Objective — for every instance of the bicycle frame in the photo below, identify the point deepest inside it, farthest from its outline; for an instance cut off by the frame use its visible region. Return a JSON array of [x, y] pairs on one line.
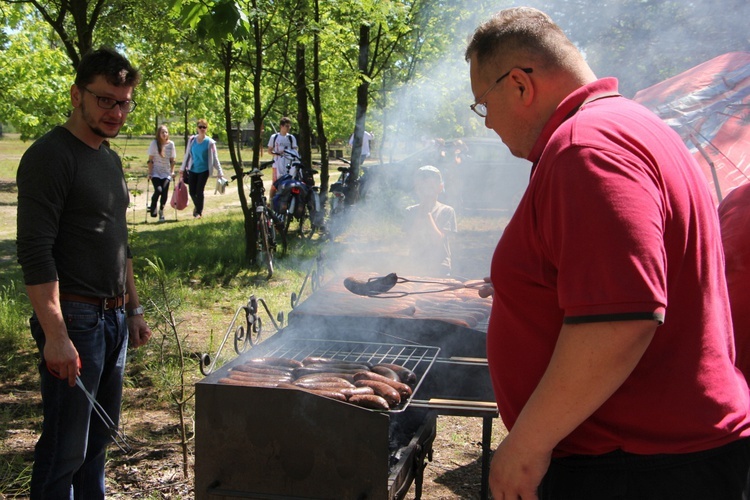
[[266, 233], [298, 197]]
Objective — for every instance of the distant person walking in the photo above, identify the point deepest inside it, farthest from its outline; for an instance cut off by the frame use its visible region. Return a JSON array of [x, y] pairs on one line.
[[161, 157], [277, 144], [364, 153], [200, 160]]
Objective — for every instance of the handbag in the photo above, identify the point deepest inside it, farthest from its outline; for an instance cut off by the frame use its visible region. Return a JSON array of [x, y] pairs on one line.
[[180, 198]]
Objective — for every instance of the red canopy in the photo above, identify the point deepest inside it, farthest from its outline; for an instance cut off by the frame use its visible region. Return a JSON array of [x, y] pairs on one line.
[[709, 106]]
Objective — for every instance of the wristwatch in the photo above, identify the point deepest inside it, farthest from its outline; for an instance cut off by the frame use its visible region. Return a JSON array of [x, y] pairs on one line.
[[138, 311]]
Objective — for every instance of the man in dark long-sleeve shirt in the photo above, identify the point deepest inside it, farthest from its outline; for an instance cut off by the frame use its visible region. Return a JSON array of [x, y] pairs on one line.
[[73, 250]]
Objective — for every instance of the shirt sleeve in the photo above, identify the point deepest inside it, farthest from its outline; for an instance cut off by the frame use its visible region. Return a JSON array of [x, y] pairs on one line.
[[603, 229], [43, 182]]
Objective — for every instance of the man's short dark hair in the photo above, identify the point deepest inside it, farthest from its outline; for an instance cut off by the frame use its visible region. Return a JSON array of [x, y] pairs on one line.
[[285, 121], [109, 63]]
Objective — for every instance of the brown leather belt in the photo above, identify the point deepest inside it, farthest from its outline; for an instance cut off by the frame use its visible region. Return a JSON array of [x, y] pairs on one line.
[[110, 303]]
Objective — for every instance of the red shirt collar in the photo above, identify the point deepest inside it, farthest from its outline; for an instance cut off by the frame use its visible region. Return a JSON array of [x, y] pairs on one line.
[[567, 108]]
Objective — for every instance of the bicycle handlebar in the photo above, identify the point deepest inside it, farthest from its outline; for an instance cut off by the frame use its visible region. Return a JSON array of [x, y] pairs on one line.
[[262, 166]]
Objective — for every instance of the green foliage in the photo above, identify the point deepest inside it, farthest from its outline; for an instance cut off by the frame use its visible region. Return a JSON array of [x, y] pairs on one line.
[[14, 333], [35, 78]]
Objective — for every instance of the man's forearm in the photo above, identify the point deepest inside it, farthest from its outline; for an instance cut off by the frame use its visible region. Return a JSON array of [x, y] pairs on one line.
[[133, 300], [45, 299], [589, 363]]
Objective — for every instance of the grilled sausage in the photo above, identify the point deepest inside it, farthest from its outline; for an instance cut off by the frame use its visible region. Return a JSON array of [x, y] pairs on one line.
[[317, 384], [262, 370], [318, 392], [259, 378], [407, 376], [340, 365], [386, 372], [357, 391], [330, 378], [281, 362], [316, 360], [349, 377], [382, 389], [301, 372], [370, 401], [371, 286], [248, 383], [403, 390]]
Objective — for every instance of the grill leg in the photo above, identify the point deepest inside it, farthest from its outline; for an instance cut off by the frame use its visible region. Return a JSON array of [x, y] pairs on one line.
[[419, 477], [486, 455]]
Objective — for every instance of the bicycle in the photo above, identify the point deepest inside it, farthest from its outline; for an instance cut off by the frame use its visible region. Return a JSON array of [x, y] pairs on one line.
[[297, 198], [343, 195], [266, 218]]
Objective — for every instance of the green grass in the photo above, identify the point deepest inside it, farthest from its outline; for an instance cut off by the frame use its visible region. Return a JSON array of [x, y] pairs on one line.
[[204, 260], [207, 281]]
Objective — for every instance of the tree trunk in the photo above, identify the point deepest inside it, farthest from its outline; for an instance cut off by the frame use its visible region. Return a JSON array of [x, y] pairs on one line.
[[362, 89], [303, 116], [251, 236], [318, 109]]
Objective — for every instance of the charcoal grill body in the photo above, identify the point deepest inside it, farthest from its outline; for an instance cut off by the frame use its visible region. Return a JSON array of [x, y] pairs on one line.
[[280, 443], [277, 443]]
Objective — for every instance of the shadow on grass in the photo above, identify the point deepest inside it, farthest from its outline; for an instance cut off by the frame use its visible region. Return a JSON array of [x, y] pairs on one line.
[[8, 187], [465, 481]]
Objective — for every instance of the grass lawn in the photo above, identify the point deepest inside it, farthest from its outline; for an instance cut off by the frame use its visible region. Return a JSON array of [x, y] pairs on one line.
[[205, 256], [207, 281]]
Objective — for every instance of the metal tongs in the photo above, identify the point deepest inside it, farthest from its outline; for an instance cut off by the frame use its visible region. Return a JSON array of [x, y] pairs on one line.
[[117, 436], [381, 286]]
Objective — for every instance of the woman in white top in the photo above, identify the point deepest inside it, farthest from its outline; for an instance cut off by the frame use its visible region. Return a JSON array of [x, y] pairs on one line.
[[161, 157]]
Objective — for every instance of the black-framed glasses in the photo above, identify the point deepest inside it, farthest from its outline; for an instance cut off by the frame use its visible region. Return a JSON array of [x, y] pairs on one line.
[[480, 106], [126, 106]]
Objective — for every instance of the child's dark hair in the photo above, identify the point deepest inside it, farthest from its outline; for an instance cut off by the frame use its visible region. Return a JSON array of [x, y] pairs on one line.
[[109, 63]]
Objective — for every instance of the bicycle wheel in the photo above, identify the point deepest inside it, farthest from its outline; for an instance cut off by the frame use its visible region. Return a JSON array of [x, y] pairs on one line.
[[265, 246], [315, 214], [305, 225], [335, 222], [287, 221]]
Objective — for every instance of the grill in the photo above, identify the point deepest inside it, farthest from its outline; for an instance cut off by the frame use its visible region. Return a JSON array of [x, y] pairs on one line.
[[255, 442]]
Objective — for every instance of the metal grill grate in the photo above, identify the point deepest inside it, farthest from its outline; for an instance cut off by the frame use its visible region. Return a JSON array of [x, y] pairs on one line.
[[417, 358]]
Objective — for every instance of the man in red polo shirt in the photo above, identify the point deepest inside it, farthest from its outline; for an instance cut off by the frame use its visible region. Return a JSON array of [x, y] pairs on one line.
[[734, 214], [610, 342]]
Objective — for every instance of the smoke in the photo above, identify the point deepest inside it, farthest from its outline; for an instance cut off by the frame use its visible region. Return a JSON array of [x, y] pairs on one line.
[[640, 42]]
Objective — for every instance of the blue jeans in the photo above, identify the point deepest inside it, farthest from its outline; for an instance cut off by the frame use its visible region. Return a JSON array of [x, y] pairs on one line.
[[70, 454]]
